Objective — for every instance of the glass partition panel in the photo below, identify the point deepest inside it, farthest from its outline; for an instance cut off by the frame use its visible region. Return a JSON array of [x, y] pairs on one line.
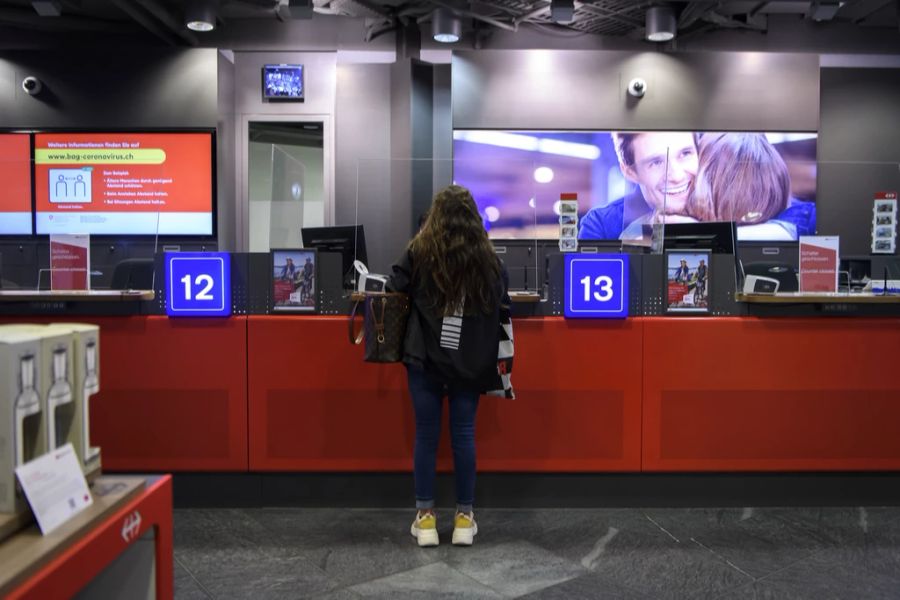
[[395, 195], [285, 167]]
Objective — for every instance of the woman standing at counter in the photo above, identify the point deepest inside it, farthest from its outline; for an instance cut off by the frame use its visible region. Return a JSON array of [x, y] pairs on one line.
[[456, 285]]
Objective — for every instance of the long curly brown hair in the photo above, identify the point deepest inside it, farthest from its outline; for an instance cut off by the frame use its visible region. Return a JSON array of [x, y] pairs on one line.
[[452, 252]]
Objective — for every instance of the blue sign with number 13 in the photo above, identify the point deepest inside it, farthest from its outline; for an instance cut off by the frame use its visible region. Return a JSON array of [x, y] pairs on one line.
[[596, 286], [198, 284]]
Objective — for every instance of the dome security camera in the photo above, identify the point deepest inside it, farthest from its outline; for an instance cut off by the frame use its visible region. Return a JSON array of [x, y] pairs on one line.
[[32, 85], [637, 87]]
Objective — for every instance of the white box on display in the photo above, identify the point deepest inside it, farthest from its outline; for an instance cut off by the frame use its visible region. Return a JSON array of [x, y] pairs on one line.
[[22, 428], [55, 384], [85, 383]]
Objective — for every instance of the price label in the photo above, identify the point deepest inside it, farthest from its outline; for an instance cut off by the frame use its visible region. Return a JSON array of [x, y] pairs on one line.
[[198, 284], [596, 286]]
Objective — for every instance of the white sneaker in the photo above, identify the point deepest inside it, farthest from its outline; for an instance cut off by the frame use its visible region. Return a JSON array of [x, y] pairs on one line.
[[464, 529], [424, 529]]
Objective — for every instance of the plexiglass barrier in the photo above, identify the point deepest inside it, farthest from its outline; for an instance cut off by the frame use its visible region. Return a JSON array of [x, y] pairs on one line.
[[102, 226], [394, 197], [287, 199]]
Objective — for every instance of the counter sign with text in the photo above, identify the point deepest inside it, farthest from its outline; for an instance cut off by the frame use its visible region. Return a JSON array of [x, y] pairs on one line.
[[596, 286], [198, 284]]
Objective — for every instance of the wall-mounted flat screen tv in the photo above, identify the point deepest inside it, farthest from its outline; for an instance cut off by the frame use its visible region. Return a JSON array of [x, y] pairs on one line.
[[15, 173], [283, 82], [627, 181], [124, 183]]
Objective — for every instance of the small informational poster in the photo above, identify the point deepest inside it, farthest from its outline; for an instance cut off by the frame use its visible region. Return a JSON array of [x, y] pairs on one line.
[[568, 222], [55, 487], [294, 280], [70, 262], [884, 223], [819, 256], [687, 281]]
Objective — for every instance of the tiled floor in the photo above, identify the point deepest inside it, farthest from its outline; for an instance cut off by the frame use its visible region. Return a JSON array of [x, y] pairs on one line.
[[349, 554]]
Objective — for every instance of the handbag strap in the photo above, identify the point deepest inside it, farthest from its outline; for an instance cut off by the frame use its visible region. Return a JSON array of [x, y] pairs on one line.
[[379, 320], [355, 338]]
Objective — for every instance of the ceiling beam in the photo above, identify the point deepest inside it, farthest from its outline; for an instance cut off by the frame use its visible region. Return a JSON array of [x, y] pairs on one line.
[[860, 18], [31, 20], [146, 21], [175, 24], [611, 14]]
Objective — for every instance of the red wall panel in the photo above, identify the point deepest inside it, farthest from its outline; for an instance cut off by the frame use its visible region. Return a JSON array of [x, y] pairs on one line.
[[315, 405], [173, 393], [750, 394]]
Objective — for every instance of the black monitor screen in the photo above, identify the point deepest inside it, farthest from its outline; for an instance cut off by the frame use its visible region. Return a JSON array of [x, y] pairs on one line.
[[718, 236], [348, 240], [283, 82]]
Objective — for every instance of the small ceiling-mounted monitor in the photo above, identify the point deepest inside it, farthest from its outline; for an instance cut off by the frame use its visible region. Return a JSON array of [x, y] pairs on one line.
[[283, 83]]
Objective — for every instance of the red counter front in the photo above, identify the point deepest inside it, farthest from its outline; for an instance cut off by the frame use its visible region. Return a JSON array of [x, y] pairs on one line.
[[173, 393], [288, 393], [745, 394], [315, 405]]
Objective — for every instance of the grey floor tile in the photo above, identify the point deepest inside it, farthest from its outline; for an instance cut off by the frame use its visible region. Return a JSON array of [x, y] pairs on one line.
[[820, 578], [349, 546], [756, 541], [340, 554], [436, 580], [587, 587], [837, 526], [254, 572], [337, 595], [513, 568], [186, 587], [218, 528], [631, 551]]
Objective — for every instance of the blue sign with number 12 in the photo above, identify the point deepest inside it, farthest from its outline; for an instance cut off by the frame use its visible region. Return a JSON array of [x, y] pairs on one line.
[[596, 286], [198, 284]]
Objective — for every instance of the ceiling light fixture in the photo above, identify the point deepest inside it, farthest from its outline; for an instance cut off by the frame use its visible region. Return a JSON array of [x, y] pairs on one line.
[[562, 11], [446, 27], [200, 15], [661, 25]]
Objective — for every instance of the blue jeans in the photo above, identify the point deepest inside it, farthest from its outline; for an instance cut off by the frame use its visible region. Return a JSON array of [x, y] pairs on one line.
[[427, 398]]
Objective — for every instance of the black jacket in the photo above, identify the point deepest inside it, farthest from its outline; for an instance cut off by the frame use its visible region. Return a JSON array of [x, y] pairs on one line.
[[458, 350]]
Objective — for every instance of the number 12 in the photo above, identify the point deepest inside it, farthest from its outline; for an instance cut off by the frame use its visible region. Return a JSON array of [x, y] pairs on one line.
[[200, 280]]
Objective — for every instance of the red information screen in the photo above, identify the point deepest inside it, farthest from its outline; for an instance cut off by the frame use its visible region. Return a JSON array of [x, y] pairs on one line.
[[123, 183], [15, 173]]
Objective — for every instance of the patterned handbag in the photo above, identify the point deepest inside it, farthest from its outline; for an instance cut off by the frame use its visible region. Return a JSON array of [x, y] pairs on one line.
[[385, 317]]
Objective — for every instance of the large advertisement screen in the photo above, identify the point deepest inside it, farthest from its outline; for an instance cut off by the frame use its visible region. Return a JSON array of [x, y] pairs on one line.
[[124, 183], [15, 173], [627, 181]]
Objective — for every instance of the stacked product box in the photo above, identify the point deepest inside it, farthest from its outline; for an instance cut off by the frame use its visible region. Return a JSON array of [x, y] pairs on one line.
[[85, 383], [69, 354], [22, 419]]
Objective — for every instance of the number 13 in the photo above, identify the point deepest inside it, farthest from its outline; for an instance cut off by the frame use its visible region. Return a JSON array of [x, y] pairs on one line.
[[605, 285]]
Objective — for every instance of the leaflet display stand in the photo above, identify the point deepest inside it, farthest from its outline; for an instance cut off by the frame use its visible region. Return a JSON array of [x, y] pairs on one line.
[[78, 554]]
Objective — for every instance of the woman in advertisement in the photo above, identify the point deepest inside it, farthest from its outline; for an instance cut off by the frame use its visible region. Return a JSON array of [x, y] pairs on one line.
[[456, 285], [669, 168], [742, 178]]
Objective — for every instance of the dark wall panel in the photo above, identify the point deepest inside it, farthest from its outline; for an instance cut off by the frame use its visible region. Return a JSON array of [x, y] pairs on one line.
[[544, 89], [859, 151], [103, 88]]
